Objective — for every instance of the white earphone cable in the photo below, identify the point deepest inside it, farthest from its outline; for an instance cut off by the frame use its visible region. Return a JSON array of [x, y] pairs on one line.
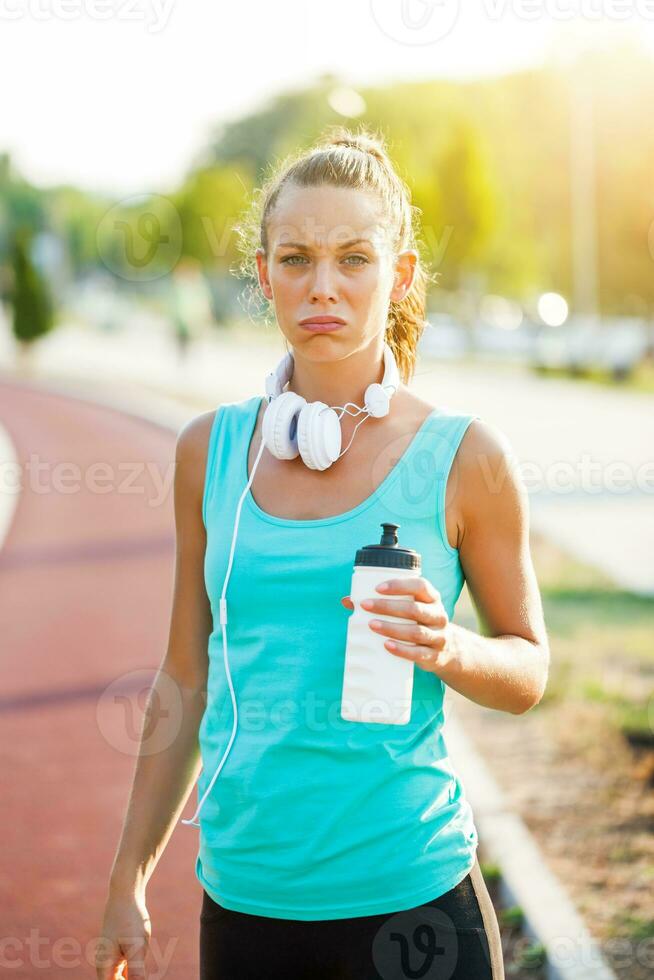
[[353, 435], [354, 415], [223, 622]]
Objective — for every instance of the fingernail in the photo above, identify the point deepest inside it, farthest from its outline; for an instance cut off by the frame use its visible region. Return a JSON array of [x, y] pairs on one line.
[[383, 586], [367, 603]]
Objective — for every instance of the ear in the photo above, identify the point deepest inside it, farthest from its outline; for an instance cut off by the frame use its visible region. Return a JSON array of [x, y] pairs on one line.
[[262, 269], [403, 274]]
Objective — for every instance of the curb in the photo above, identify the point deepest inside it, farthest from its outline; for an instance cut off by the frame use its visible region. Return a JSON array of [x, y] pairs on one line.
[[550, 916]]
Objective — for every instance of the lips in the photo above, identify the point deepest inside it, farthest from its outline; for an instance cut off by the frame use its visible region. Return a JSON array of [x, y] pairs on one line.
[[322, 324]]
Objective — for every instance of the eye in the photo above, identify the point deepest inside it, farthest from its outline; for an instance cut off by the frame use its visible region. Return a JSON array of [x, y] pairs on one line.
[[288, 260]]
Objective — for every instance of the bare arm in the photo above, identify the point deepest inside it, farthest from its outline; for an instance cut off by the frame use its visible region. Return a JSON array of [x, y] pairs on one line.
[[164, 777], [506, 665]]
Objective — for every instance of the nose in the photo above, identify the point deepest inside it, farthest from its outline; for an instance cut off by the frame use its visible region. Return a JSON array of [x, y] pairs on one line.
[[322, 286]]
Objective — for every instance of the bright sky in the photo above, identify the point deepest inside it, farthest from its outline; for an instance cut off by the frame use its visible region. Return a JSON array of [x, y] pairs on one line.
[[123, 102]]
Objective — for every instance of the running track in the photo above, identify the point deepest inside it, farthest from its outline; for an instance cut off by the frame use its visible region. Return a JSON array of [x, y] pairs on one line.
[[86, 583]]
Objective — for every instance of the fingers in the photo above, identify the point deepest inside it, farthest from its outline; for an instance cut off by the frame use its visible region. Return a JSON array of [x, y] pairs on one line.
[[136, 952], [417, 586], [107, 956], [428, 612], [124, 961], [426, 657], [431, 614], [407, 632]]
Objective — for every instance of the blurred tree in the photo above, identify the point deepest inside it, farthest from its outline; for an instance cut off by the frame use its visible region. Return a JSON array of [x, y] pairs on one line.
[[624, 154], [208, 204], [466, 204], [75, 215], [29, 299], [288, 120], [21, 205]]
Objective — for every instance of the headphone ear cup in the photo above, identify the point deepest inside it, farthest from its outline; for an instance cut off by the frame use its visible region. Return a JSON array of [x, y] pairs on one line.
[[279, 427], [377, 401], [319, 435]]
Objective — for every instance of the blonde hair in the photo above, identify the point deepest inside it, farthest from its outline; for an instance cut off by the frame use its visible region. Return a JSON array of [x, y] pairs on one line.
[[343, 158]]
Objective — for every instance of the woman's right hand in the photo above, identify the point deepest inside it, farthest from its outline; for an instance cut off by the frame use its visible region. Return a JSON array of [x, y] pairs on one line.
[[124, 938]]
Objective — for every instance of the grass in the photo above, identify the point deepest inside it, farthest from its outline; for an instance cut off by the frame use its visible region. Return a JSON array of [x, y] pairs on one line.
[[490, 871], [600, 641], [531, 957], [511, 917], [522, 957], [635, 719], [634, 927]]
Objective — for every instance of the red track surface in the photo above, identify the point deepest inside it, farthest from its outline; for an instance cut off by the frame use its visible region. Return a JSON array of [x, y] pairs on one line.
[[86, 584]]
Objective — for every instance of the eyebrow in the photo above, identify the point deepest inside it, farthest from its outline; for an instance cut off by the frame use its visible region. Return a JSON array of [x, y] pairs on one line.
[[352, 241]]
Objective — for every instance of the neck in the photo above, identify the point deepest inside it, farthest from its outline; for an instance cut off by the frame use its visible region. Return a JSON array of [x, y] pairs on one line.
[[338, 382]]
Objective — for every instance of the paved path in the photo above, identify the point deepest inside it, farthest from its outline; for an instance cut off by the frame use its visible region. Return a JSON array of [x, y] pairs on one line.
[[587, 455], [85, 590]]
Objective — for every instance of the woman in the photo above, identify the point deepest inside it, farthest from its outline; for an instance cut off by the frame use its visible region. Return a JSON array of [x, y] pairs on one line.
[[331, 848]]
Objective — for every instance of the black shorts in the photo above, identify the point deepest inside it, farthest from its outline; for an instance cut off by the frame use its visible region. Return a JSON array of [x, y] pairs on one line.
[[453, 937]]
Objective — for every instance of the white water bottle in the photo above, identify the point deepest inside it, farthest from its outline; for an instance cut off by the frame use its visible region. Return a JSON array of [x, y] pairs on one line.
[[377, 684]]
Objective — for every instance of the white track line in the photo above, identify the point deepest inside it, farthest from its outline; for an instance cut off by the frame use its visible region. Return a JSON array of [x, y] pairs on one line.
[[10, 483]]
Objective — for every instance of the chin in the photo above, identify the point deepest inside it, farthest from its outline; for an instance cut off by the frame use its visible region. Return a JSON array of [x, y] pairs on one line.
[[318, 344]]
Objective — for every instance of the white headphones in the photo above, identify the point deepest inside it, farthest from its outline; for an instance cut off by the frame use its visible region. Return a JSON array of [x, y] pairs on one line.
[[293, 426]]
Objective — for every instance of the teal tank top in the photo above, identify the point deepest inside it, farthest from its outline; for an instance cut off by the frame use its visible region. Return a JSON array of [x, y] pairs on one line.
[[313, 816]]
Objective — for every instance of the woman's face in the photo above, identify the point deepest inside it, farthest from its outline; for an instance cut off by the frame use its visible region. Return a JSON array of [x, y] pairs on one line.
[[315, 267]]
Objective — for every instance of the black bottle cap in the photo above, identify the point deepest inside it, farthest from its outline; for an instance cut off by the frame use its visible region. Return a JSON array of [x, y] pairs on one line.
[[388, 552]]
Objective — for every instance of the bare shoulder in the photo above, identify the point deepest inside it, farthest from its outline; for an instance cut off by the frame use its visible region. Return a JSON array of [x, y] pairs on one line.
[[191, 451], [488, 478], [483, 441]]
